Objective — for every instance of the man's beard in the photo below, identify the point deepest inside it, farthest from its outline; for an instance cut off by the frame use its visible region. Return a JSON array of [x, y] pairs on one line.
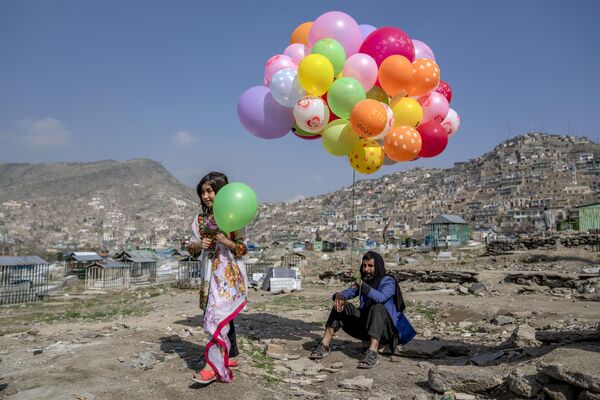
[[368, 277]]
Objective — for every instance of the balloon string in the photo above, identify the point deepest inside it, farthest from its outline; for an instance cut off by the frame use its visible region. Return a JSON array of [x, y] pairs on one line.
[[353, 226]]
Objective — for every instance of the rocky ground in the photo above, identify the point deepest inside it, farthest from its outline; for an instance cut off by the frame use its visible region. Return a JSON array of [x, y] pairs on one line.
[[521, 325]]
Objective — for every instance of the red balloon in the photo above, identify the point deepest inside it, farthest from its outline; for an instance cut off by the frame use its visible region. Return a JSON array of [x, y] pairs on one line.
[[305, 137], [332, 116], [387, 41], [445, 89], [434, 138]]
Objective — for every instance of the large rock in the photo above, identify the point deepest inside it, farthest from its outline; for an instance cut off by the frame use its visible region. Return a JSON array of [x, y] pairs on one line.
[[524, 336], [304, 366], [502, 320], [522, 385], [578, 367], [467, 379]]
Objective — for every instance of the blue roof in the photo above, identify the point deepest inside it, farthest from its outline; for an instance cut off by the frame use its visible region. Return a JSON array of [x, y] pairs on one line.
[[448, 219], [23, 260]]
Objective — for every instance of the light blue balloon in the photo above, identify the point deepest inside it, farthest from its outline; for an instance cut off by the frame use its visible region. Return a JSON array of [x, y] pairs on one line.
[[285, 87]]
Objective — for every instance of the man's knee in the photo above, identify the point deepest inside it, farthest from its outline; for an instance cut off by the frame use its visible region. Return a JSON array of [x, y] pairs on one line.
[[378, 309]]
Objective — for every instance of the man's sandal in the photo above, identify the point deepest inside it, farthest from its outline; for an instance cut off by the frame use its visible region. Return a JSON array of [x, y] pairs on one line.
[[204, 376], [369, 360]]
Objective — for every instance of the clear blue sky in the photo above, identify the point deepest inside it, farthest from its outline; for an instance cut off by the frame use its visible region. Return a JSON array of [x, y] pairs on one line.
[[93, 80]]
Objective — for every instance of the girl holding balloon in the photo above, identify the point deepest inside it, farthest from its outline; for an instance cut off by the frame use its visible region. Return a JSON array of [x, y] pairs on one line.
[[223, 286]]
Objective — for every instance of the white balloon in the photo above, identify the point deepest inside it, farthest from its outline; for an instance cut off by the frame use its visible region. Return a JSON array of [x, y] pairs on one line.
[[311, 114], [451, 123]]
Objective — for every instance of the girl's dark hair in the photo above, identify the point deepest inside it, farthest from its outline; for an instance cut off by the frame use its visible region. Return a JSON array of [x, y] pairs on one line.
[[216, 180]]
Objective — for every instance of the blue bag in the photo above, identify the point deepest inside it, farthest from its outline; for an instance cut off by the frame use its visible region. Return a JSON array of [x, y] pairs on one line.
[[406, 332]]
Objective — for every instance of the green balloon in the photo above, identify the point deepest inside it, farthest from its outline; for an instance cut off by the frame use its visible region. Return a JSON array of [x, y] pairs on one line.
[[333, 51], [234, 207], [343, 94], [338, 138], [377, 93]]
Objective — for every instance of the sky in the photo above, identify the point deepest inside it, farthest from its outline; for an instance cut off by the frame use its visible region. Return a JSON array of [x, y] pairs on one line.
[[94, 80]]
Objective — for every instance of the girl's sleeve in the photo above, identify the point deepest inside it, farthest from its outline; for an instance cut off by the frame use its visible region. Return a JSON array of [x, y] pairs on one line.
[[193, 248], [240, 248]]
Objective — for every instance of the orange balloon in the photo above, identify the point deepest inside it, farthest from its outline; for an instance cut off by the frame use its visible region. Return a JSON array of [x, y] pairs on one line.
[[395, 75], [402, 143], [370, 118], [426, 76], [300, 34]]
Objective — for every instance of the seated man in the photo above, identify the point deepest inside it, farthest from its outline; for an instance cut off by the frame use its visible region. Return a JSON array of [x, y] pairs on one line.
[[379, 319]]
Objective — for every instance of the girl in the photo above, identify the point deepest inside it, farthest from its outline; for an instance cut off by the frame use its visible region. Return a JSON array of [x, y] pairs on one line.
[[223, 285]]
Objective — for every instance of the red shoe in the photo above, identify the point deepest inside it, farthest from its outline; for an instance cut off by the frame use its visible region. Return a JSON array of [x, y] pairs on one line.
[[233, 363], [204, 377]]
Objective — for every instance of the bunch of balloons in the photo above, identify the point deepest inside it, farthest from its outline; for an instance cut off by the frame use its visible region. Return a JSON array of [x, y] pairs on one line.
[[372, 95]]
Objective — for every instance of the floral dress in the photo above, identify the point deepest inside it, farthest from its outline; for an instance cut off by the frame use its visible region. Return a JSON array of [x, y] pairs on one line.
[[223, 291]]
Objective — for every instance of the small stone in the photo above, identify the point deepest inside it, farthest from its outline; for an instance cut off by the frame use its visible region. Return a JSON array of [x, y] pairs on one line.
[[524, 336], [477, 288], [465, 324], [274, 349], [464, 396], [337, 365], [502, 320], [37, 352], [524, 386], [33, 332], [357, 383]]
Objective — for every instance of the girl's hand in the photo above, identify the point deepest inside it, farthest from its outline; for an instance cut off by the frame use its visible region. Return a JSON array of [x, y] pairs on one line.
[[225, 240], [205, 243]]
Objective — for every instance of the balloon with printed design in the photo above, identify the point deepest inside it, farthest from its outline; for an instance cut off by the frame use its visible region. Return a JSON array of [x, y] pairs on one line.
[[434, 138], [311, 114], [339, 26], [422, 50], [343, 94], [296, 51], [338, 138], [363, 68], [286, 88], [426, 76], [333, 51], [451, 123], [435, 107], [366, 156], [300, 34], [407, 111], [371, 118], [444, 89], [388, 41], [316, 74], [395, 75], [277, 63], [402, 143]]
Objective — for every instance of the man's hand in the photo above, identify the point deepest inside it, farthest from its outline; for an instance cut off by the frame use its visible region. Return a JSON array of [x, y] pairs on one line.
[[339, 302]]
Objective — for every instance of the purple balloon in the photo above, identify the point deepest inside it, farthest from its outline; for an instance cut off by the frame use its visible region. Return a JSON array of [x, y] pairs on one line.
[[365, 29], [422, 50], [262, 116], [339, 26]]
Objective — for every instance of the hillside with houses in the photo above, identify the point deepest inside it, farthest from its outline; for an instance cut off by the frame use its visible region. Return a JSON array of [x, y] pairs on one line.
[[505, 190]]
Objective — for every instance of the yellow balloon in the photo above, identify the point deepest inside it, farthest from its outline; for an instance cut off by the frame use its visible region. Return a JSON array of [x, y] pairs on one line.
[[366, 156], [338, 138], [407, 112], [315, 73]]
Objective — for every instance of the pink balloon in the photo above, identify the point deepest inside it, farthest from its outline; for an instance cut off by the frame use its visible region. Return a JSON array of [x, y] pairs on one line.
[[435, 107], [422, 50], [445, 89], [363, 68], [451, 123], [339, 26], [387, 41], [277, 63], [296, 51]]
